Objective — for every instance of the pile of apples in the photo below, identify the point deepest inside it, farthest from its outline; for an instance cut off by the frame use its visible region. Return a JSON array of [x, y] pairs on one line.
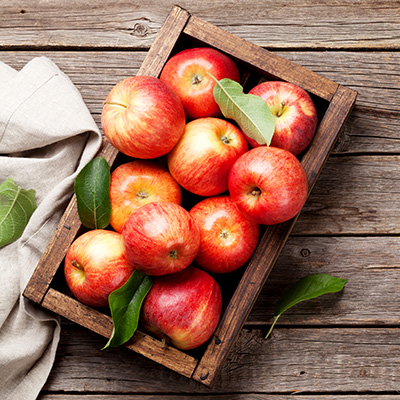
[[178, 143]]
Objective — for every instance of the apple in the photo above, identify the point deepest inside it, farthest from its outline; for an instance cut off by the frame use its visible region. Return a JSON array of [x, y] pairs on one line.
[[268, 185], [227, 238], [143, 117], [294, 113], [95, 265], [186, 73], [161, 238], [183, 308], [201, 160], [136, 183]]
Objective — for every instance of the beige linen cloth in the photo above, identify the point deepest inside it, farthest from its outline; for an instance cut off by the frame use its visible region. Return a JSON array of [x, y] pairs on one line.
[[47, 135]]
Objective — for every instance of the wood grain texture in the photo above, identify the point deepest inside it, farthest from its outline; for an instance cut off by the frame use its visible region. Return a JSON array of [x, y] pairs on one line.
[[293, 360], [130, 24], [354, 196], [371, 265], [231, 396]]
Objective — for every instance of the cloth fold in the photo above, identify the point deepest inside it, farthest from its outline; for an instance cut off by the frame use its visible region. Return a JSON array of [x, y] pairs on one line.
[[47, 135]]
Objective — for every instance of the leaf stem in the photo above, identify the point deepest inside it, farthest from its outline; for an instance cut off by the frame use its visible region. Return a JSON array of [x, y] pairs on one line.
[[272, 326]]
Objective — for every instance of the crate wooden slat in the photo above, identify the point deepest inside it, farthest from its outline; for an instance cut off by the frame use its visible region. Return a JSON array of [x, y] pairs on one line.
[[334, 103]]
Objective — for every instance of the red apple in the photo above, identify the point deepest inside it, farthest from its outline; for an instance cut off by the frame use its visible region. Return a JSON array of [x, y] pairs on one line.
[[143, 117], [95, 265], [203, 156], [183, 308], [294, 112], [268, 185], [228, 238], [137, 183], [161, 238], [186, 73]]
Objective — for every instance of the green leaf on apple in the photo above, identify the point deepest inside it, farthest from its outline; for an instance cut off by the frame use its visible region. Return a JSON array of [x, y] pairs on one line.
[[92, 189], [125, 304], [309, 287], [16, 208], [249, 111]]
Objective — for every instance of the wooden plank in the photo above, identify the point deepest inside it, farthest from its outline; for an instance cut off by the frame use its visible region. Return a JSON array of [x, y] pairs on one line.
[[371, 264], [101, 324], [293, 360], [131, 24], [230, 396], [355, 195]]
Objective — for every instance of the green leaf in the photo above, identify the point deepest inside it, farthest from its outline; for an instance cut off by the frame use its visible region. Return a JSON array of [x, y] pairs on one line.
[[92, 189], [125, 304], [16, 208], [250, 112], [307, 288]]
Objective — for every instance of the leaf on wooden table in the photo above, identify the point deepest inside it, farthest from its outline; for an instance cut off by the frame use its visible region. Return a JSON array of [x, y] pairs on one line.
[[92, 189], [125, 304], [16, 208], [250, 112], [309, 287]]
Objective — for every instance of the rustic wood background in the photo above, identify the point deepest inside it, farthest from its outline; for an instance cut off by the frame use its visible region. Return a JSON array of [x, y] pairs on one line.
[[339, 346]]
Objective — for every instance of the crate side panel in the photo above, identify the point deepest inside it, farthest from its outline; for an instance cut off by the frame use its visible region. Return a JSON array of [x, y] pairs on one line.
[[101, 324], [327, 133]]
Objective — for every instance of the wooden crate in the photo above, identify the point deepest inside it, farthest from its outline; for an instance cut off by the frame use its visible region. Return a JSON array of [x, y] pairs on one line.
[[333, 102]]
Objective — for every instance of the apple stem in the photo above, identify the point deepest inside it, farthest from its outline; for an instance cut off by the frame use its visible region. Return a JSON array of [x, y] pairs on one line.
[[173, 254], [111, 103], [281, 108], [255, 192], [76, 264], [225, 139], [196, 79], [142, 194], [224, 233]]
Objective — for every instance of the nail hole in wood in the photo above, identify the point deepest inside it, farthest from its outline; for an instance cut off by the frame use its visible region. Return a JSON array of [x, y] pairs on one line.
[[203, 377], [305, 252]]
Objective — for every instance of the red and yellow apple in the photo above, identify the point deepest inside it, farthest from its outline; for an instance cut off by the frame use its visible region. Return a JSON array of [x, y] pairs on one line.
[[183, 308], [294, 113], [227, 238], [201, 160], [187, 73], [161, 238], [268, 185], [143, 117], [136, 183], [95, 265]]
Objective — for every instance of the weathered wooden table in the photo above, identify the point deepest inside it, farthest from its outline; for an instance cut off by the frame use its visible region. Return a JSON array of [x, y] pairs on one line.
[[344, 345]]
